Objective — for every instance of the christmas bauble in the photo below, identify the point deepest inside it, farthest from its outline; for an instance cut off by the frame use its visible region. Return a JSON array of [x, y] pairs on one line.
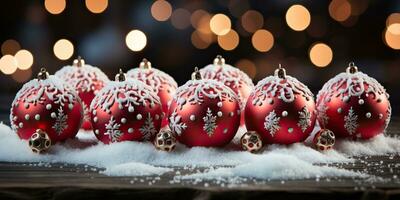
[[324, 139], [251, 141], [232, 77], [204, 112], [165, 141], [162, 84], [281, 109], [47, 104], [352, 104], [86, 80], [125, 109]]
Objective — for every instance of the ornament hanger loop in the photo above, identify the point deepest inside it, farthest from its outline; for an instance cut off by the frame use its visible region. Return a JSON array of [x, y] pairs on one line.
[[196, 74], [352, 68], [280, 72], [43, 74], [120, 76], [219, 60], [145, 64], [79, 62]]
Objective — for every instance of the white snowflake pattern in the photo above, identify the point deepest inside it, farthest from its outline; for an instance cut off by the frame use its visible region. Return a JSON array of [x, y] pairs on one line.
[[304, 119], [350, 120], [271, 123], [322, 108], [175, 123], [113, 131], [148, 128], [61, 121], [86, 112], [210, 123]]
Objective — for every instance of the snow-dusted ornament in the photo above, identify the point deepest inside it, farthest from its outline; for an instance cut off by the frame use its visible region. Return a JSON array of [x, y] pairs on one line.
[[204, 112], [352, 104], [86, 80], [230, 76], [162, 84], [281, 109], [47, 105], [125, 109]]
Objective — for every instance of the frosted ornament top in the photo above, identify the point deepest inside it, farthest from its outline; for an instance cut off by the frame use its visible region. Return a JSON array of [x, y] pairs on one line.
[[126, 92], [195, 90], [153, 77], [351, 83], [54, 88], [82, 76], [229, 75], [280, 85]]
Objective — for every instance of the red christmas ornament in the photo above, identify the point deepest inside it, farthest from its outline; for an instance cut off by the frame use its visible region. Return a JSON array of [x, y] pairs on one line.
[[281, 109], [86, 80], [230, 76], [46, 103], [125, 109], [162, 84], [324, 139], [352, 104], [204, 112]]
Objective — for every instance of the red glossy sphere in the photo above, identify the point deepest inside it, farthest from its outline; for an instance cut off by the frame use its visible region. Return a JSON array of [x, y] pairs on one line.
[[204, 113], [232, 77], [162, 84], [86, 80], [352, 104], [281, 110], [47, 105], [126, 110]]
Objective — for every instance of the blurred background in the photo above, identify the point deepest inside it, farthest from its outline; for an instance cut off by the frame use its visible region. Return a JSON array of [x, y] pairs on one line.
[[313, 40]]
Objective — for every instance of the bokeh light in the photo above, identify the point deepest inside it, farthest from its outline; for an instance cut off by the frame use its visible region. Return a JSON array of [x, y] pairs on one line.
[[8, 64], [393, 19], [180, 18], [196, 17], [220, 24], [136, 40], [96, 6], [340, 10], [204, 24], [298, 17], [10, 46], [252, 20], [321, 54], [262, 40], [22, 76], [228, 41], [392, 40], [248, 67], [55, 6], [161, 10], [24, 59], [201, 40], [63, 49]]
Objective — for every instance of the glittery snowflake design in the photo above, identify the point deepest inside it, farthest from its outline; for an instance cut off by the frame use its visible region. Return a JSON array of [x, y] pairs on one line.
[[113, 131], [351, 122], [153, 77], [175, 123], [61, 121], [209, 122], [304, 119], [322, 114], [148, 128], [271, 123]]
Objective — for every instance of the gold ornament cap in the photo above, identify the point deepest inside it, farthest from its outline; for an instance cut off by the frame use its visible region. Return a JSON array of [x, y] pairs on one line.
[[219, 60], [145, 64], [78, 62], [43, 74], [196, 74], [120, 77], [280, 72], [352, 68], [39, 141]]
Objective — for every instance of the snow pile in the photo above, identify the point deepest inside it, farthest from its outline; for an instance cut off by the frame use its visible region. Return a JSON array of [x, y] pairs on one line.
[[142, 159]]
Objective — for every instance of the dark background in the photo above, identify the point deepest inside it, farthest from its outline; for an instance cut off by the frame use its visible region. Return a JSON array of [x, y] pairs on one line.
[[100, 40]]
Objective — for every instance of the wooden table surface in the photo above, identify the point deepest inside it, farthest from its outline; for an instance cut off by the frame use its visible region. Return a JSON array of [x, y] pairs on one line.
[[67, 181]]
